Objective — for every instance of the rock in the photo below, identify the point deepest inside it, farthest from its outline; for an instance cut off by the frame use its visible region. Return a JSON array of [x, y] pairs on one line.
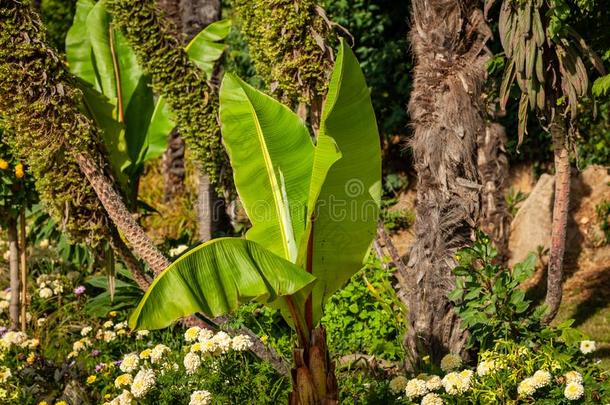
[[531, 227]]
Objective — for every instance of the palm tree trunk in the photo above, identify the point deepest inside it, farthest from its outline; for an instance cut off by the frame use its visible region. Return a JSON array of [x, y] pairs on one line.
[[447, 39], [492, 162], [173, 167], [142, 245], [13, 248], [560, 217]]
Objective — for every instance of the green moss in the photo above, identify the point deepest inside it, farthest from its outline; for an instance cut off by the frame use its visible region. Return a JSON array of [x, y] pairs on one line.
[[192, 102], [283, 38], [39, 105]]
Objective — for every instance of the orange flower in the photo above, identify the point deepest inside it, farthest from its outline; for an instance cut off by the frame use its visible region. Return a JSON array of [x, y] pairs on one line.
[[19, 171]]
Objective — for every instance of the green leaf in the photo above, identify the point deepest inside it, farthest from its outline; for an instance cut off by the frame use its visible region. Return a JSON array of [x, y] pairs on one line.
[[78, 45], [271, 153], [347, 206], [215, 278], [205, 50], [159, 128], [601, 86]]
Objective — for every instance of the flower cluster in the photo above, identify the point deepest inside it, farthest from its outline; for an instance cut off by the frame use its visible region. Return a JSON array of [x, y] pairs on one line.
[[49, 285]]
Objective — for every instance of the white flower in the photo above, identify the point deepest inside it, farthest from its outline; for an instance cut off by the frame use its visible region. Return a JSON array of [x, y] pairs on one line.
[[120, 325], [415, 388], [573, 391], [241, 343], [457, 383], [451, 362], [433, 383], [191, 334], [14, 338], [142, 382], [191, 363], [587, 346], [223, 341], [200, 398], [4, 305], [41, 321], [141, 334], [108, 324], [124, 399], [58, 288], [573, 376], [5, 374], [432, 399], [158, 352], [33, 343], [78, 346], [398, 384], [178, 250], [123, 380], [541, 378], [485, 367], [205, 334], [130, 363], [109, 335], [208, 346], [45, 293], [86, 330], [526, 387], [44, 244]]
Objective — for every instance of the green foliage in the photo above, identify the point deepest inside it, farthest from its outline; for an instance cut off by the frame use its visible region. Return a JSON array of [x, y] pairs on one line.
[[16, 186], [488, 298], [366, 316], [183, 85], [43, 124], [379, 32], [513, 199], [57, 17], [285, 184], [601, 86], [603, 217], [291, 53]]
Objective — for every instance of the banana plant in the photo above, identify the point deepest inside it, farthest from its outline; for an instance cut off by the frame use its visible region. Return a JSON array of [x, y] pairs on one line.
[[117, 93], [313, 205]]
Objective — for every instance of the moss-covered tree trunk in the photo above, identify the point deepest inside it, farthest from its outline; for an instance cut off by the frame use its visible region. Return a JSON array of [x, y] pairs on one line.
[[13, 265], [447, 118]]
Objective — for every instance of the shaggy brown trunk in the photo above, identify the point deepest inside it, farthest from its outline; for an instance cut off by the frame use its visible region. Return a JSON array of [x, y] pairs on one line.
[[24, 270], [13, 263], [446, 113], [560, 217], [492, 162], [173, 167], [142, 245]]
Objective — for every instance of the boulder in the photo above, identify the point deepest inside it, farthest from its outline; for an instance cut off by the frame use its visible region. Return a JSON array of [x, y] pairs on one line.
[[531, 226]]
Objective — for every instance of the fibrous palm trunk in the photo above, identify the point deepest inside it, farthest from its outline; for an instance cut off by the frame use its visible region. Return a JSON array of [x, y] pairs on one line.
[[13, 248], [560, 217], [447, 37], [492, 162]]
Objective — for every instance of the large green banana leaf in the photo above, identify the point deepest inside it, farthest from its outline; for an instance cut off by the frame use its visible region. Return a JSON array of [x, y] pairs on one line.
[[271, 153], [99, 55], [347, 206], [204, 50], [214, 279]]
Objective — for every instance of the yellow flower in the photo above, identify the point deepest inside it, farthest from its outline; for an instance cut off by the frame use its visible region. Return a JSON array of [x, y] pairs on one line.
[[91, 379], [61, 403], [113, 314], [264, 339], [3, 164], [31, 358], [107, 396], [43, 403], [19, 172], [145, 353]]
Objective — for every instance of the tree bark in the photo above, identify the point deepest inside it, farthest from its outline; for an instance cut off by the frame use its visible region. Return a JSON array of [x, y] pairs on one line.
[[561, 207], [142, 245], [447, 37], [24, 269], [173, 167], [14, 274], [492, 162]]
